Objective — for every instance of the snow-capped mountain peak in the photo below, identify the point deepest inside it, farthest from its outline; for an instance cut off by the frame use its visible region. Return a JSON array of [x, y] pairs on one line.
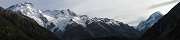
[[144, 25], [24, 6], [155, 15], [61, 18], [28, 10]]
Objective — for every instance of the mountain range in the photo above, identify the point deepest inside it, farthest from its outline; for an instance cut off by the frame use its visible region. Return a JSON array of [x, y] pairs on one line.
[[67, 25]]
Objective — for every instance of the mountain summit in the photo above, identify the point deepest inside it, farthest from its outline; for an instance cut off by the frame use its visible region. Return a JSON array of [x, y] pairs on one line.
[[144, 25]]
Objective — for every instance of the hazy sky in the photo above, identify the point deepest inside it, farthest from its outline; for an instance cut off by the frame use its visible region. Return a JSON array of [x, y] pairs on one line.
[[127, 11]]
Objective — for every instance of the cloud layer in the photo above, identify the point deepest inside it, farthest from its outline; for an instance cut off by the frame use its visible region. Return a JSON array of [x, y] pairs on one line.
[[165, 3]]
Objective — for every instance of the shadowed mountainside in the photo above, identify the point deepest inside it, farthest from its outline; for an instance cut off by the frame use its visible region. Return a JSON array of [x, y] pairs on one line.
[[167, 28]]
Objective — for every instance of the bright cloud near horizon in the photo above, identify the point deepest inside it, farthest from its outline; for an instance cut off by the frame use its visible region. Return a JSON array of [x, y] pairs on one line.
[[128, 11]]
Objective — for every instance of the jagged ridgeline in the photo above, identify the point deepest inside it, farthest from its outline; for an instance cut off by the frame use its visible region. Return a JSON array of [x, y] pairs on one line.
[[16, 26], [70, 26]]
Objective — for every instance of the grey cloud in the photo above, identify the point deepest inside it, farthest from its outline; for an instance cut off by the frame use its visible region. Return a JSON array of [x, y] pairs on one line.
[[163, 4]]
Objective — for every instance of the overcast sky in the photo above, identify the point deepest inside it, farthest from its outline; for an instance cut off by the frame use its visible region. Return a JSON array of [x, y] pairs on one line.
[[127, 11]]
